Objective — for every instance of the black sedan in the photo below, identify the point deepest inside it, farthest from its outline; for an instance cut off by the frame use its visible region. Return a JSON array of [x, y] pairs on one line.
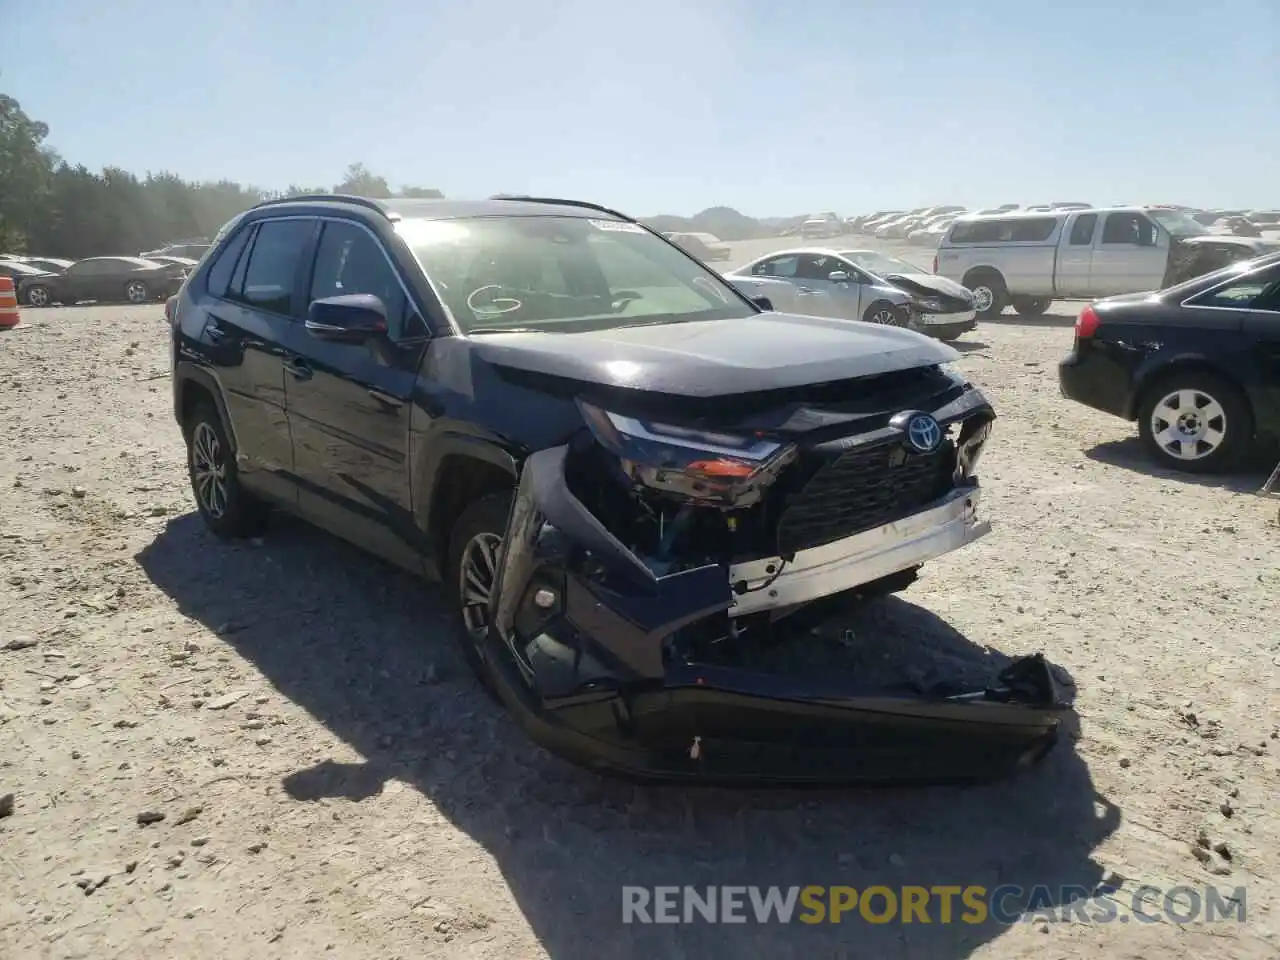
[[1197, 365], [105, 279]]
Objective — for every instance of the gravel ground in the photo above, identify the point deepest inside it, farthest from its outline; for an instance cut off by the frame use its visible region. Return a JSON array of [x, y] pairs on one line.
[[331, 780]]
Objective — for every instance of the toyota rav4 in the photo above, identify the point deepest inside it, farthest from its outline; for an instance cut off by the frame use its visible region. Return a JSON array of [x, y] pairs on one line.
[[625, 472]]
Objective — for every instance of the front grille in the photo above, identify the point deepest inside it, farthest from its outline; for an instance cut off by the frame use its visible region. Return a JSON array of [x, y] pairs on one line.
[[862, 489]]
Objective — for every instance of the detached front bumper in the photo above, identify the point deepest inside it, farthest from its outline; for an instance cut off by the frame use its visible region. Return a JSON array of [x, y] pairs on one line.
[[581, 651]]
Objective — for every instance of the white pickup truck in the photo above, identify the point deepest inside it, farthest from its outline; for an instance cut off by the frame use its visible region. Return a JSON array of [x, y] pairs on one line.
[[1028, 260]]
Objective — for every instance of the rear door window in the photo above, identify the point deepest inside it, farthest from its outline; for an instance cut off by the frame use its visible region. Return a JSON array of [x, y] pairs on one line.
[[270, 272], [1083, 229]]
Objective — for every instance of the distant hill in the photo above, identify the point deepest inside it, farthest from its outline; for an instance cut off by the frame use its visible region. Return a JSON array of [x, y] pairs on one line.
[[725, 222]]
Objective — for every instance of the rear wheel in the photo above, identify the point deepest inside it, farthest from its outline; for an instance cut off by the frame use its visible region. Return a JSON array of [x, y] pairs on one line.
[[1032, 306], [38, 296], [474, 546], [135, 291], [1195, 422], [226, 507], [989, 293]]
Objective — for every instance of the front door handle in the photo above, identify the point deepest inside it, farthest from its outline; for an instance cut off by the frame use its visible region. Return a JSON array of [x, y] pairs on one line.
[[298, 368], [806, 290]]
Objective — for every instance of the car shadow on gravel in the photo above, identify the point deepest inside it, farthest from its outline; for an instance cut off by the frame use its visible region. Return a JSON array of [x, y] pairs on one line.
[[1130, 454], [1047, 320], [367, 651]]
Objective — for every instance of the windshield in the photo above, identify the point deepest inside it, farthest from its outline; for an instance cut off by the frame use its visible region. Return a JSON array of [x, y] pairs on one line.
[[563, 274], [880, 264], [1178, 223]]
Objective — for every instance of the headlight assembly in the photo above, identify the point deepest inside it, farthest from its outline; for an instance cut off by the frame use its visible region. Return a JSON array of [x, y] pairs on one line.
[[927, 304], [689, 463]]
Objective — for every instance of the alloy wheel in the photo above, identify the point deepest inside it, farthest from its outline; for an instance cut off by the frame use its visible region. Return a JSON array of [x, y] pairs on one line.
[[38, 297], [209, 470], [886, 317], [982, 298], [1189, 424], [136, 291], [476, 576]]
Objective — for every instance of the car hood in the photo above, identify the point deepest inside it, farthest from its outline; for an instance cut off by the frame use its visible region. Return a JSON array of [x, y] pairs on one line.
[[716, 358], [1247, 243], [929, 282]]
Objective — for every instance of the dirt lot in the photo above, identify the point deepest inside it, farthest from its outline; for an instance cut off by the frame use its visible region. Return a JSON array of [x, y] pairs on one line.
[[333, 784]]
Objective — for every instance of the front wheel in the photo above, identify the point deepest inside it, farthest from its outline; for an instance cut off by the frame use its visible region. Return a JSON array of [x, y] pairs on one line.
[[1031, 306], [475, 544], [38, 296], [1195, 422], [886, 314], [135, 291]]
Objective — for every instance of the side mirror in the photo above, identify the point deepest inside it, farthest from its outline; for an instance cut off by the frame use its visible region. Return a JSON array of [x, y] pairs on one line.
[[838, 276], [764, 303], [350, 318]]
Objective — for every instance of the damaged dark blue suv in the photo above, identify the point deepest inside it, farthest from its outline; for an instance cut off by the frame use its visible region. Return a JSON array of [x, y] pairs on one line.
[[625, 472]]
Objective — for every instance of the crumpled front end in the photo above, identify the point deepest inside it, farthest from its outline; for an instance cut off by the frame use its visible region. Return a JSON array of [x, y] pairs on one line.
[[626, 590]]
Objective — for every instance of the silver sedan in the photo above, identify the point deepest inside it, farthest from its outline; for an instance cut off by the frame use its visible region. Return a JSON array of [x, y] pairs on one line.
[[858, 285]]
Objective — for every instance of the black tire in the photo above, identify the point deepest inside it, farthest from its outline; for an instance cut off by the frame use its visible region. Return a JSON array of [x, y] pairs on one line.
[[44, 297], [237, 513], [1031, 306], [488, 515], [1235, 421], [883, 308], [137, 292], [996, 295]]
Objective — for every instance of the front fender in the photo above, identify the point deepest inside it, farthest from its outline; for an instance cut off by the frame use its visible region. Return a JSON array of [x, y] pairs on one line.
[[611, 613]]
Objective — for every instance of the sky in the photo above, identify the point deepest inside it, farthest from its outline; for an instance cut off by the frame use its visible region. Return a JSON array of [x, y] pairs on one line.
[[671, 106]]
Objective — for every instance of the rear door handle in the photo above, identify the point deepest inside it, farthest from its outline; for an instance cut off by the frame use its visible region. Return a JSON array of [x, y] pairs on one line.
[[298, 368], [389, 402]]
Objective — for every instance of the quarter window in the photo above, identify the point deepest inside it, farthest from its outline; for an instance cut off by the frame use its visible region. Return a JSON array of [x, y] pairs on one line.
[[219, 275], [271, 269], [349, 260]]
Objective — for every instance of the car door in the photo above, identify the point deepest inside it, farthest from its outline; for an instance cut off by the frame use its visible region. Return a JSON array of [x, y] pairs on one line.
[[1130, 255], [254, 301], [819, 296], [1075, 256], [848, 298], [349, 404], [78, 282]]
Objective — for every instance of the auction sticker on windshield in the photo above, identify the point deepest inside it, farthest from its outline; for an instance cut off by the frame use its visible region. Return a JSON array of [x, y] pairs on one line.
[[617, 226]]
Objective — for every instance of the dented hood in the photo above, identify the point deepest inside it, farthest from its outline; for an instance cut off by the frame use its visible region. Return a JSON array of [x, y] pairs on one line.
[[930, 283], [718, 357]]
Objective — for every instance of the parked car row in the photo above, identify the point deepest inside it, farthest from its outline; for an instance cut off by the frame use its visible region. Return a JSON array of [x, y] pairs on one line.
[[45, 281]]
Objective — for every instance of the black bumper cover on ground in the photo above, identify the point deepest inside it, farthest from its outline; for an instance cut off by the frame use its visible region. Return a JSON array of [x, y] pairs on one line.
[[589, 679]]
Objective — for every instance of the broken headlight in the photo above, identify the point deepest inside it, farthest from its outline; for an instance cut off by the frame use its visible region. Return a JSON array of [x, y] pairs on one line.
[[689, 464]]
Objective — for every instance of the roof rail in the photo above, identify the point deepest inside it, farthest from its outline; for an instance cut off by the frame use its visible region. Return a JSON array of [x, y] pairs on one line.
[[341, 197], [564, 203]]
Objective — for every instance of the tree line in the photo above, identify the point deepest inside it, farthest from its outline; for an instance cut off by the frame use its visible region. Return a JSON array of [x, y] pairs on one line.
[[50, 207]]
